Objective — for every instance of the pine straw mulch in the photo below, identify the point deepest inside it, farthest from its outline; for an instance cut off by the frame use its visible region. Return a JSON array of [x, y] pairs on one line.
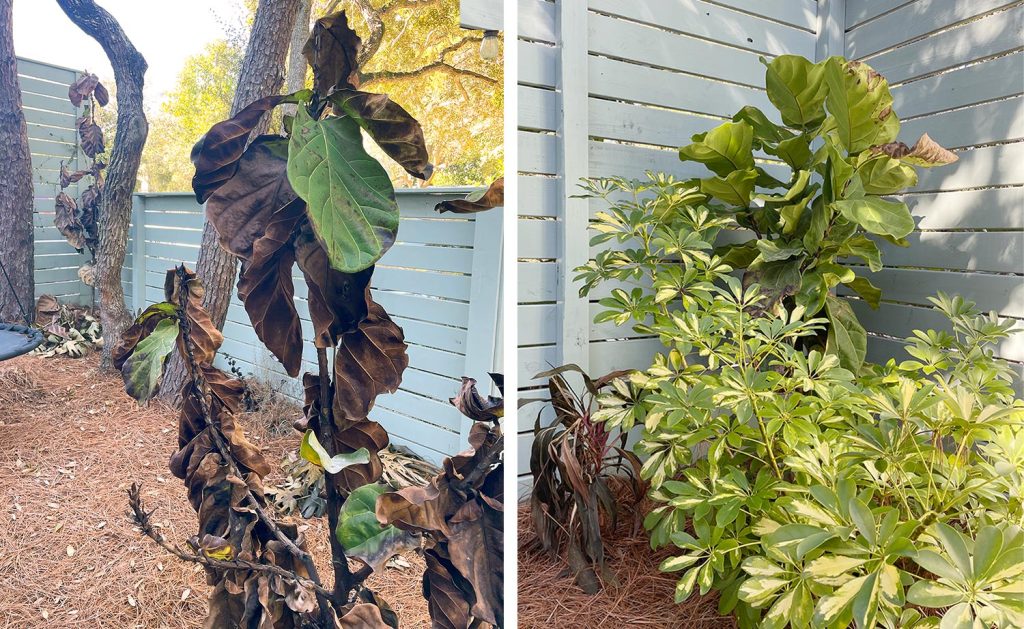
[[548, 596], [71, 443]]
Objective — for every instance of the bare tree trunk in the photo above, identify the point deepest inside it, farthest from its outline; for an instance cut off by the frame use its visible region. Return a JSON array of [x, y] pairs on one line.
[[132, 128], [17, 245], [262, 74], [296, 62]]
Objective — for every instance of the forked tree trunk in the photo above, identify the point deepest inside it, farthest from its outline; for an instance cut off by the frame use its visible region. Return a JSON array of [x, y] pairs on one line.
[[17, 245], [262, 74], [132, 128]]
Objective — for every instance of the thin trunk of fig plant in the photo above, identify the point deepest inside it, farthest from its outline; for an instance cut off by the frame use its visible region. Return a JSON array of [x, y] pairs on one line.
[[132, 129], [262, 74], [17, 245]]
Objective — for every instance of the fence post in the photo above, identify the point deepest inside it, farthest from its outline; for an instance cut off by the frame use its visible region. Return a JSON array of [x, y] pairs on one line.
[[484, 301], [138, 252], [831, 29], [573, 129]]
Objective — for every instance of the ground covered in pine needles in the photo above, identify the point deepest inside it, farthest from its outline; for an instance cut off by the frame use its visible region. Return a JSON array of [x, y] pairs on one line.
[[71, 444], [642, 598]]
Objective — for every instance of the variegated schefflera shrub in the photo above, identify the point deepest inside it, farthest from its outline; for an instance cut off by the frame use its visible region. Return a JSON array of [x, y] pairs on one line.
[[312, 197], [805, 486]]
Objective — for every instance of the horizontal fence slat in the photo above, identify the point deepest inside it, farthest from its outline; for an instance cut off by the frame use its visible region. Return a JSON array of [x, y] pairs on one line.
[[959, 88]]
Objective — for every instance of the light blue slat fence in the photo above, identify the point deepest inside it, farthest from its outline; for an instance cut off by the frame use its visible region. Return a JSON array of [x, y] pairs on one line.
[[440, 282], [613, 88]]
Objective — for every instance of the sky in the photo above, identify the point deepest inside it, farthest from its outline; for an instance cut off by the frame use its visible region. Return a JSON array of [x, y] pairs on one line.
[[166, 33]]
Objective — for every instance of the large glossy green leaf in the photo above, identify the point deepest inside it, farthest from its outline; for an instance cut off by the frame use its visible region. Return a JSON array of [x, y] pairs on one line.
[[362, 536], [867, 291], [144, 367], [796, 87], [847, 340], [349, 196], [885, 175], [860, 105], [764, 129], [724, 149], [734, 189], [865, 249], [878, 216]]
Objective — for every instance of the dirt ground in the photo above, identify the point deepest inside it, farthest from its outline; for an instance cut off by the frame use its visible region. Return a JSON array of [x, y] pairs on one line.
[[71, 444]]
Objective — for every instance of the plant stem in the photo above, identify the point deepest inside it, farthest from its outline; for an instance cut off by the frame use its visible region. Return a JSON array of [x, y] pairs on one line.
[[344, 580]]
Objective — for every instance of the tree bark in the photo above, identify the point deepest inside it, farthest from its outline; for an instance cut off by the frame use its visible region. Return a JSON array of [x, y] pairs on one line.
[[296, 62], [17, 244], [262, 74], [132, 129]]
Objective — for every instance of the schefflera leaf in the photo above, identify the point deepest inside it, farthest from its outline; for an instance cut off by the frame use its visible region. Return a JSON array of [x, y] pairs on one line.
[[350, 200], [362, 535], [144, 367]]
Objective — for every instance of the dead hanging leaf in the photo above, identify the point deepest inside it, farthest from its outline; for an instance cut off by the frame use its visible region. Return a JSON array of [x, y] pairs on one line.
[[362, 616], [393, 128], [206, 338], [242, 208], [368, 362], [216, 154], [47, 308], [337, 301], [91, 135], [268, 293], [926, 152], [475, 549], [332, 50], [446, 603], [82, 88], [100, 92], [66, 221], [67, 177], [474, 406], [492, 197]]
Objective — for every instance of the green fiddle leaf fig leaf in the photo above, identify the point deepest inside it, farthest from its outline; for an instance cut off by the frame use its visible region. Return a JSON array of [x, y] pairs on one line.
[[362, 535], [724, 149], [884, 175], [144, 367], [773, 251], [860, 105], [764, 129], [878, 216], [312, 451], [738, 256], [796, 86], [867, 291], [790, 215], [795, 151], [847, 340], [350, 200], [864, 248], [734, 189], [820, 216]]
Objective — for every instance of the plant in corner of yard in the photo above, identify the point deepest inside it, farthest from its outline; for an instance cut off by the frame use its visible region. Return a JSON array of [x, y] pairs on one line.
[[804, 494], [571, 462], [796, 226], [312, 198]]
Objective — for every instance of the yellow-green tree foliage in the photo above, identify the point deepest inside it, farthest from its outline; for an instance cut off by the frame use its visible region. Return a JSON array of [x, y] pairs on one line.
[[434, 70]]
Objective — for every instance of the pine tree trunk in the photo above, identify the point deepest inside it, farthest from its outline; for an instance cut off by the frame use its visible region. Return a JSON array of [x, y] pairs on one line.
[[296, 62], [17, 245], [132, 128], [262, 74]]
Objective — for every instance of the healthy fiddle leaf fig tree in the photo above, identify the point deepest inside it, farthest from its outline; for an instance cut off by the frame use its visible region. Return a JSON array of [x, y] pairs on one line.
[[838, 142], [315, 199]]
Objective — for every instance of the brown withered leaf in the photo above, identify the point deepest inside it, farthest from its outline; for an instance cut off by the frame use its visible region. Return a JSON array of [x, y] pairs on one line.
[[492, 197], [446, 603], [206, 338], [474, 406], [337, 301], [268, 293], [101, 94], [926, 152], [368, 362], [241, 209], [67, 177], [91, 135], [367, 595], [475, 549], [216, 154], [66, 221], [47, 308], [332, 50], [393, 128], [362, 616], [82, 88]]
